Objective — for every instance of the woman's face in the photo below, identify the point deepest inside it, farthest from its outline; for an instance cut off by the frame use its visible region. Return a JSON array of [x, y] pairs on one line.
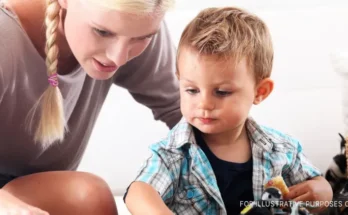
[[102, 40]]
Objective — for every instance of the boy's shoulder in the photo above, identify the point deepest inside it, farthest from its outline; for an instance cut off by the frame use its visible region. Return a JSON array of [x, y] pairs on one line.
[[276, 139], [176, 139]]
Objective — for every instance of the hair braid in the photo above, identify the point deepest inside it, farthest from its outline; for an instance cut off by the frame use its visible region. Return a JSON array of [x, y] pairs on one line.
[[52, 125]]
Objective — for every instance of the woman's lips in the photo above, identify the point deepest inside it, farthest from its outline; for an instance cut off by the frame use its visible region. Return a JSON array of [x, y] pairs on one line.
[[101, 67]]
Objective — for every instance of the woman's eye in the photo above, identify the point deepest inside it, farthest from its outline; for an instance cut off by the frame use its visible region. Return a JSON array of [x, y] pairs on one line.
[[101, 32], [145, 38]]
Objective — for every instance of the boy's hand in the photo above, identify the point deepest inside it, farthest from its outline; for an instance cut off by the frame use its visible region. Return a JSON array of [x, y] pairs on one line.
[[316, 189]]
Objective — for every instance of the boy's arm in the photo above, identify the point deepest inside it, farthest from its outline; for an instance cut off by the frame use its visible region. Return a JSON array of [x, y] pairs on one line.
[[308, 183], [152, 187], [142, 199]]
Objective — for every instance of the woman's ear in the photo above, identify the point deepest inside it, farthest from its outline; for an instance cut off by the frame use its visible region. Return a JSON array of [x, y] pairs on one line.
[[177, 75], [63, 3], [263, 90]]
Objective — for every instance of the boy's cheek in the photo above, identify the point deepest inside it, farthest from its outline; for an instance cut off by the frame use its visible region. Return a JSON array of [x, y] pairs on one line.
[[185, 111]]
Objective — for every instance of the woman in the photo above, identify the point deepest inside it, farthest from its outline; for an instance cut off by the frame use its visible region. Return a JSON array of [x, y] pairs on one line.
[[58, 60]]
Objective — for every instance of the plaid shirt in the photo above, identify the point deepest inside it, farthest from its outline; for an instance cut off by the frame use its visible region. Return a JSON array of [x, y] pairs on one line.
[[179, 170]]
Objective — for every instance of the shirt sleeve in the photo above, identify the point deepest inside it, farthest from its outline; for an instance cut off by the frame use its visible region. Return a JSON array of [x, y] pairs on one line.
[[301, 168], [150, 78], [156, 172]]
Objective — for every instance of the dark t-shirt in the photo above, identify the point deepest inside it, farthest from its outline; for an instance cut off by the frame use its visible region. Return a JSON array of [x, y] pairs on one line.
[[234, 179]]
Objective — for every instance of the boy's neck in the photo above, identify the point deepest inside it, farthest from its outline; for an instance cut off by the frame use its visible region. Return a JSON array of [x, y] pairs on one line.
[[232, 146]]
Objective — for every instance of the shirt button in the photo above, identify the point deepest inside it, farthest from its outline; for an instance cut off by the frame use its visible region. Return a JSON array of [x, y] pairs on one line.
[[189, 194]]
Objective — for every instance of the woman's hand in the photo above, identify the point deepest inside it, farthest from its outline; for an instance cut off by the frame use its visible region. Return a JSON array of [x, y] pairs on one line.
[[14, 206]]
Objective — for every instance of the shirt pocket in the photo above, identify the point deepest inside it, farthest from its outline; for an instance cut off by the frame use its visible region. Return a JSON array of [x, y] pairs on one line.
[[192, 197]]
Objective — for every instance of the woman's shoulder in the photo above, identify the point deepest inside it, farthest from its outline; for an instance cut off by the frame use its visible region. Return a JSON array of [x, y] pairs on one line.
[[11, 31], [8, 34], [17, 53], [14, 38]]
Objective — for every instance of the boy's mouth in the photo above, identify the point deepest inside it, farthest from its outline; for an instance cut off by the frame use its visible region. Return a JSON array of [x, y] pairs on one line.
[[206, 120]]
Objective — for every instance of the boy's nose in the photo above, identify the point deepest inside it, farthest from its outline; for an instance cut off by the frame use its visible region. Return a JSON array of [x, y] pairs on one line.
[[206, 104]]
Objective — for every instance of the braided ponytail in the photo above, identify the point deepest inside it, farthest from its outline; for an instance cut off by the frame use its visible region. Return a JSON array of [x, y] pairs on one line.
[[51, 126]]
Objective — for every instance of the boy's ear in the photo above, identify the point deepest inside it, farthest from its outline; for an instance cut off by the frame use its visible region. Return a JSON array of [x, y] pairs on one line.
[[263, 90], [63, 3]]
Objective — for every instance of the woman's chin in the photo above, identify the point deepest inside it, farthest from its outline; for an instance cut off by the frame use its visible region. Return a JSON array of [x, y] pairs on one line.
[[97, 75]]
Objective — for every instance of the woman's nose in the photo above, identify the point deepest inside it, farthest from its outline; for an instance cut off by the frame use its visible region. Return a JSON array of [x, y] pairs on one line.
[[118, 52]]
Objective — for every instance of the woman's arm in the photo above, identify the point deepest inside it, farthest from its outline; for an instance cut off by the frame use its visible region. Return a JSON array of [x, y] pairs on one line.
[[150, 78]]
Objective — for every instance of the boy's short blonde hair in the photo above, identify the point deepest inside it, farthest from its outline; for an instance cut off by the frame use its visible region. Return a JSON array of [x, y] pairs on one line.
[[231, 32]]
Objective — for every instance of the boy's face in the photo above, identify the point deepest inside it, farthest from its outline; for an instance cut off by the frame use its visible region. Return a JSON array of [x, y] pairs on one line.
[[216, 95]]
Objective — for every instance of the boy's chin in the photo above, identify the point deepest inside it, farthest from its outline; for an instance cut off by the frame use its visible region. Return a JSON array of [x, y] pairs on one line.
[[209, 129]]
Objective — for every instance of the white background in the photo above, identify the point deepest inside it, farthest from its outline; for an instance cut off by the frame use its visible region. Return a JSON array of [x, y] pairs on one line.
[[306, 103]]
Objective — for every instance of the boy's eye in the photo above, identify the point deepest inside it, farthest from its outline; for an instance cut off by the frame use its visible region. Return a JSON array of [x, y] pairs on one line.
[[192, 91], [222, 93], [101, 32]]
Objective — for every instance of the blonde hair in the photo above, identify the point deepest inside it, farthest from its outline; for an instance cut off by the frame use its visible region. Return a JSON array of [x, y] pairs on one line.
[[52, 124], [136, 6], [231, 32]]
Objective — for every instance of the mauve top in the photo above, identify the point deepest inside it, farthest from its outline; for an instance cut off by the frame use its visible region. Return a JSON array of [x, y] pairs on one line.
[[150, 78]]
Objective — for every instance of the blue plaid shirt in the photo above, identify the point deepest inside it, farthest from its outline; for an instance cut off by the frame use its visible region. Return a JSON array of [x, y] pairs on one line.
[[179, 170]]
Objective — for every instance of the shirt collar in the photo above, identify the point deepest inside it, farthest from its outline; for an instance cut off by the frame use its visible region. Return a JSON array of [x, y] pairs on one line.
[[183, 134], [258, 135]]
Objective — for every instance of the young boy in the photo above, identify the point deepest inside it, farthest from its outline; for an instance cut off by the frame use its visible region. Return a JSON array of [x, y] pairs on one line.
[[217, 157]]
